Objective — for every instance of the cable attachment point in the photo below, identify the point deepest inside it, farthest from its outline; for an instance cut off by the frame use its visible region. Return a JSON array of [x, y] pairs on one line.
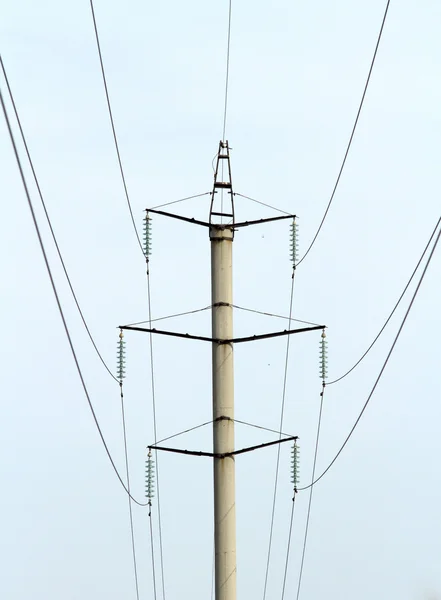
[[294, 242], [295, 459], [149, 477], [147, 234], [323, 357], [121, 358]]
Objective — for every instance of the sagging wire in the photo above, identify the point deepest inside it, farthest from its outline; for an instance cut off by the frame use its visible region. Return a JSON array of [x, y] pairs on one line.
[[112, 123], [149, 494], [57, 299], [121, 372], [393, 310], [148, 249], [49, 222], [295, 478], [348, 147], [282, 411], [377, 380], [323, 375]]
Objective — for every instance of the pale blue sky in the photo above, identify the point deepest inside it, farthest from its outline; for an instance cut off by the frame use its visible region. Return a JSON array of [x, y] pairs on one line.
[[297, 73]]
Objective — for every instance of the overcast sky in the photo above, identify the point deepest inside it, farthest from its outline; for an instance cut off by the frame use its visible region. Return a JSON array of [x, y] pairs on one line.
[[297, 74]]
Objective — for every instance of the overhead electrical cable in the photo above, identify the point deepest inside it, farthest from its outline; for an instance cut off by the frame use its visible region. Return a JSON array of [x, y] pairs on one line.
[[374, 387], [126, 456], [227, 75], [115, 139], [153, 391], [351, 136], [152, 547], [311, 489], [57, 299], [291, 521], [43, 204], [393, 310], [282, 412]]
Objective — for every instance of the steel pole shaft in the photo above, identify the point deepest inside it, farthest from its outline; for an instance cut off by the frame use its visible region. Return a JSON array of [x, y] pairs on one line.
[[223, 414]]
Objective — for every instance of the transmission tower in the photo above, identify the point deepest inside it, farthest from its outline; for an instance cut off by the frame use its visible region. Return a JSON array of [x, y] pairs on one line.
[[222, 226]]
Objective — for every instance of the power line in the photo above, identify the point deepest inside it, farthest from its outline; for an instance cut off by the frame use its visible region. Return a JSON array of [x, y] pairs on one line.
[[351, 136], [393, 310], [126, 455], [262, 203], [282, 410], [31, 164], [57, 299], [161, 553], [152, 545], [289, 544], [382, 368], [113, 125], [308, 515], [227, 72]]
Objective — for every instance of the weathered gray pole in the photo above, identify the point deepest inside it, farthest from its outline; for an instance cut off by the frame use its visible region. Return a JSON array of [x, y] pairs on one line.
[[223, 413]]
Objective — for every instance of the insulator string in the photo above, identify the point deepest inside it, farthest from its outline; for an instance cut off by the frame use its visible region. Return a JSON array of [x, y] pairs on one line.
[[294, 242], [147, 239], [323, 357]]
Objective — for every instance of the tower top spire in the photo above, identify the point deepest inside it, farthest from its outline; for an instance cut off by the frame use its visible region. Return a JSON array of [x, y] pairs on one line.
[[221, 208]]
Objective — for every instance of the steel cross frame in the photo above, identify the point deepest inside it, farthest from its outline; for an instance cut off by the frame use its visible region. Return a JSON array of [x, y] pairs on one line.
[[224, 454], [202, 338]]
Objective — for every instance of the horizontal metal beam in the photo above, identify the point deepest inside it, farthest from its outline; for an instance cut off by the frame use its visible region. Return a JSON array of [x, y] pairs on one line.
[[265, 336], [202, 338], [223, 454], [218, 225], [186, 336], [179, 217], [179, 451], [260, 221], [259, 446]]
